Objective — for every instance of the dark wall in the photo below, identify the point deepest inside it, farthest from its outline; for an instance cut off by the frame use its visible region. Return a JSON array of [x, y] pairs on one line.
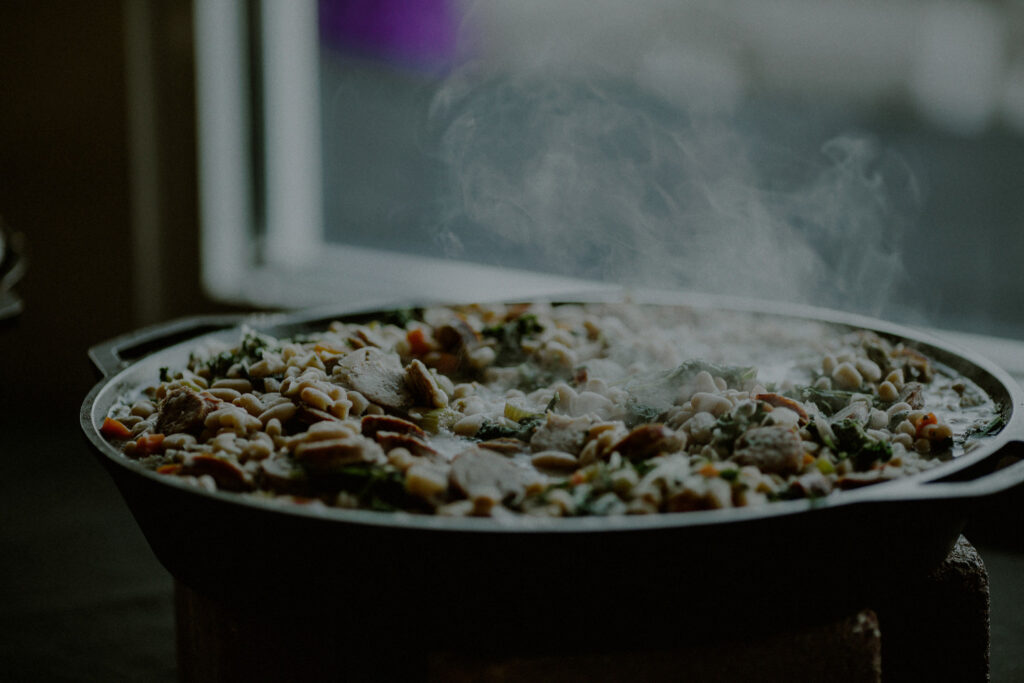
[[75, 97], [65, 186]]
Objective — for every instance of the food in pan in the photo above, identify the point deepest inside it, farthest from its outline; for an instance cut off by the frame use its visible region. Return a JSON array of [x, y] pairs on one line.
[[552, 410]]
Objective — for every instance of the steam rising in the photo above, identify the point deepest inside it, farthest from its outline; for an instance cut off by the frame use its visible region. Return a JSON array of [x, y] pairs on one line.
[[613, 183]]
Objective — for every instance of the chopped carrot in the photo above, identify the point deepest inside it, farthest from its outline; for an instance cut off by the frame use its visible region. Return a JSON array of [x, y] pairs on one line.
[[577, 478], [808, 458], [708, 470], [928, 419], [149, 444], [172, 468], [418, 343], [445, 363], [113, 429]]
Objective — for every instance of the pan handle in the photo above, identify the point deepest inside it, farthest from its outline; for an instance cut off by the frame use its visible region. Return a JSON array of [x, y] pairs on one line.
[[114, 355]]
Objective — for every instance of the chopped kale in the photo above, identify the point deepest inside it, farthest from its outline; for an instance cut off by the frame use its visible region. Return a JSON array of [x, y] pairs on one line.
[[731, 425], [401, 316], [250, 350], [642, 467], [829, 401], [523, 430], [595, 496], [821, 436], [376, 487], [863, 451], [509, 337], [729, 475], [638, 413], [993, 427]]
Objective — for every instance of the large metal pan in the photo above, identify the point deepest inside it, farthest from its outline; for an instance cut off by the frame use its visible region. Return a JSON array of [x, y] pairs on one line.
[[552, 581]]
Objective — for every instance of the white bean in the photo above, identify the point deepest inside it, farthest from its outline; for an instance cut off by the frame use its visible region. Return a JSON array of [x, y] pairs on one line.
[[224, 394], [469, 425], [878, 419], [710, 403], [847, 376], [868, 369], [240, 385], [282, 412], [316, 398], [888, 392]]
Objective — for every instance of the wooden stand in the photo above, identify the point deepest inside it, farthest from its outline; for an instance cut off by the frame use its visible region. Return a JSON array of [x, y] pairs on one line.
[[936, 630]]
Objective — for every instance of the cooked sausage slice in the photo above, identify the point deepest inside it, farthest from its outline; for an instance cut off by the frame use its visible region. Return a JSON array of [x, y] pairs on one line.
[[560, 433], [478, 472], [377, 375], [648, 440]]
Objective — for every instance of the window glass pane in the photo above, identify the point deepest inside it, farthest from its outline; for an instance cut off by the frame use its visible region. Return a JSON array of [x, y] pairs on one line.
[[861, 156]]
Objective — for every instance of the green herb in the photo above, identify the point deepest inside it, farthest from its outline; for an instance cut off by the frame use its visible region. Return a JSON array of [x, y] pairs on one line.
[[729, 475], [792, 492], [829, 401], [820, 436], [642, 467], [863, 451], [165, 374], [523, 430], [250, 350], [638, 413], [729, 426], [510, 336], [376, 487], [993, 427], [401, 316]]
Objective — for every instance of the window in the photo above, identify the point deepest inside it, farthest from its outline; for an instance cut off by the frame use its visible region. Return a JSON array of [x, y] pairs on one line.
[[859, 156]]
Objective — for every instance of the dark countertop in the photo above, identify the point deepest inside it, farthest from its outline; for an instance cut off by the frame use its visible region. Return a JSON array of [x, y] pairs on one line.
[[84, 599]]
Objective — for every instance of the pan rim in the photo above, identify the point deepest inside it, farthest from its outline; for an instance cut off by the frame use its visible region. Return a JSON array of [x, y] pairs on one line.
[[895, 491]]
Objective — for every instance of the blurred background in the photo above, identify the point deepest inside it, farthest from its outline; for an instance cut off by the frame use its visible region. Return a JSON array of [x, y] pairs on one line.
[[168, 158]]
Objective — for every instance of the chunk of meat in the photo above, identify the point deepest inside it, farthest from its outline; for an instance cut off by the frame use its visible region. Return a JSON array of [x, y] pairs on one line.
[[456, 336], [377, 375], [646, 441], [560, 433], [371, 424], [324, 457], [774, 449], [228, 475], [415, 445], [282, 475], [912, 394], [504, 444], [424, 386], [915, 364], [183, 411], [477, 472]]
